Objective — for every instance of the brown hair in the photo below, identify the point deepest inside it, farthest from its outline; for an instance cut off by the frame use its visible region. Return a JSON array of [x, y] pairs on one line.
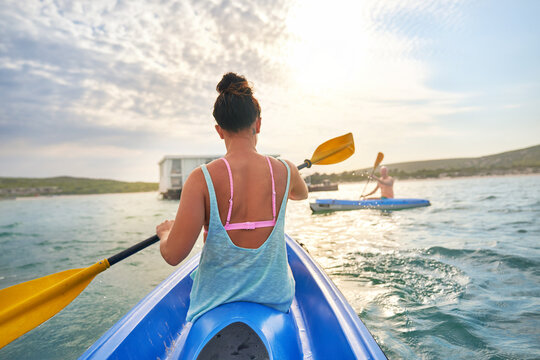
[[235, 108]]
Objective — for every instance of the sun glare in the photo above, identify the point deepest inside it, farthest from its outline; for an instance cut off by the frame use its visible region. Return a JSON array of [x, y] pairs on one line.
[[327, 40]]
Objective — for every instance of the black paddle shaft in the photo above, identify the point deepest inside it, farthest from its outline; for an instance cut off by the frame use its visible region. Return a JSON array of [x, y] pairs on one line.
[[307, 163], [132, 250]]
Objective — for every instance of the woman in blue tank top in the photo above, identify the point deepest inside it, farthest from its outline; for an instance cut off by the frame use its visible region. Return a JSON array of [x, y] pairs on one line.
[[240, 201]]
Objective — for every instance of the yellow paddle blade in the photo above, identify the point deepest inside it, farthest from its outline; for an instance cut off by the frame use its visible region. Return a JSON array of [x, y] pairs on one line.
[[334, 150], [27, 305], [380, 157]]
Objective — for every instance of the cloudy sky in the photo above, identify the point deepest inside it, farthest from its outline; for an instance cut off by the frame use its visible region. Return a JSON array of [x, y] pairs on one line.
[[107, 88]]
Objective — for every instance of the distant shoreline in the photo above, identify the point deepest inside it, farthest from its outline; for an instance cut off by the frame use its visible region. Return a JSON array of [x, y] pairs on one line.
[[29, 197], [351, 177], [64, 185], [448, 178], [479, 175], [471, 177], [73, 195]]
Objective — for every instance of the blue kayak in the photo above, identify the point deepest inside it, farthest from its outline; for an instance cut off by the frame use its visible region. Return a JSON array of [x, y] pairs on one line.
[[320, 325], [321, 205]]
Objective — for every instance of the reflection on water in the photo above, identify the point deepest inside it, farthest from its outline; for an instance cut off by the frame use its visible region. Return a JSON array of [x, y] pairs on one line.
[[429, 282], [458, 279]]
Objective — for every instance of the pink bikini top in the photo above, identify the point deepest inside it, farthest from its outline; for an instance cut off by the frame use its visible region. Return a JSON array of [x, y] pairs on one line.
[[255, 224]]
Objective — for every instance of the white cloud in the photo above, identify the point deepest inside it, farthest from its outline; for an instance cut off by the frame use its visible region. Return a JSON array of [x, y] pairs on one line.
[[66, 150]]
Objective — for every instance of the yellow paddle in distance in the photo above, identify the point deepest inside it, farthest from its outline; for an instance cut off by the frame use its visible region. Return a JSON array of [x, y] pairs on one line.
[[378, 161], [27, 305]]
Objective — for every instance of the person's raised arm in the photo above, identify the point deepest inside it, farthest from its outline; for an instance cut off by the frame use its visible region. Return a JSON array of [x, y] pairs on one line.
[[389, 181], [178, 237], [298, 187], [373, 192]]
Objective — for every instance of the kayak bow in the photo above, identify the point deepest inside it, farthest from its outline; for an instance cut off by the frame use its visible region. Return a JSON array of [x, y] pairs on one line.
[[320, 325]]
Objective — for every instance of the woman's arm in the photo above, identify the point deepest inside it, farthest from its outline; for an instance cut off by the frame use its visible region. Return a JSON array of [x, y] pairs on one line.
[[298, 187], [178, 237]]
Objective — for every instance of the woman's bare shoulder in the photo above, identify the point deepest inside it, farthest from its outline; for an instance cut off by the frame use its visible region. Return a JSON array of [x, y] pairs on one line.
[[279, 161], [195, 178], [292, 167]]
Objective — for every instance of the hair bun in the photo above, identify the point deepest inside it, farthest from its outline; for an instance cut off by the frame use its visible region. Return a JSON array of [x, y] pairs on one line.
[[234, 84], [235, 108]]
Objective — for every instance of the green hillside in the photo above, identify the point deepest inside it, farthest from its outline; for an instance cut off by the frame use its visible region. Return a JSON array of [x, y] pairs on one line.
[[523, 161], [65, 185], [523, 158]]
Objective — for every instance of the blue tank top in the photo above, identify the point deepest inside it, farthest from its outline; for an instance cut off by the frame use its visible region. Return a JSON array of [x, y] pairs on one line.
[[229, 273]]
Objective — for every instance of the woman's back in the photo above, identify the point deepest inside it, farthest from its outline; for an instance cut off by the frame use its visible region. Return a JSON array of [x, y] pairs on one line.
[[252, 194]]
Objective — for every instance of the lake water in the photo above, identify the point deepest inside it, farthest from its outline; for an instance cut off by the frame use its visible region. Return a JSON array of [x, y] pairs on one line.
[[457, 280]]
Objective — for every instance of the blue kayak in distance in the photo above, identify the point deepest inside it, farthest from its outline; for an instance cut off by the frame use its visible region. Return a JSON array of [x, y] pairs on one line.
[[320, 324], [322, 205]]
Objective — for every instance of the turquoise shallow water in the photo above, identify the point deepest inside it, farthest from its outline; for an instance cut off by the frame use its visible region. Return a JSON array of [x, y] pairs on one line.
[[457, 280]]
